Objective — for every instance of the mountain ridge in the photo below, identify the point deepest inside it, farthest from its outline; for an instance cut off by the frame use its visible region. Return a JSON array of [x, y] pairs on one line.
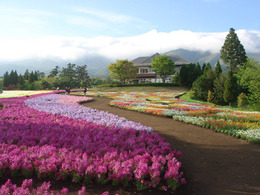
[[96, 63]]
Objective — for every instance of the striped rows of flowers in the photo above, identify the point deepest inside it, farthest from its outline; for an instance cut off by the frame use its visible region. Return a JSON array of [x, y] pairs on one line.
[[53, 146], [242, 124], [19, 93]]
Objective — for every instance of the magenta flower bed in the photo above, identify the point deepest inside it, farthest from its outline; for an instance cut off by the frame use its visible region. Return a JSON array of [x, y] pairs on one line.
[[58, 147]]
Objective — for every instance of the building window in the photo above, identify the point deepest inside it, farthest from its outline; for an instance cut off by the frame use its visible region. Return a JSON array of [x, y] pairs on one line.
[[143, 70]]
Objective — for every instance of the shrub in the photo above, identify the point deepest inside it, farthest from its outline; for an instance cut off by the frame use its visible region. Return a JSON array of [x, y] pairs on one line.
[[192, 94], [241, 100], [210, 96]]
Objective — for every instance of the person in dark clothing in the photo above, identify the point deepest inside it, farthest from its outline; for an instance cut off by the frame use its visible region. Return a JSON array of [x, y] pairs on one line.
[[85, 91]]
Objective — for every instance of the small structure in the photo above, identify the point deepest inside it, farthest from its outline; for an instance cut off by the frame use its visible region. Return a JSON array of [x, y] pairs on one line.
[[145, 73]]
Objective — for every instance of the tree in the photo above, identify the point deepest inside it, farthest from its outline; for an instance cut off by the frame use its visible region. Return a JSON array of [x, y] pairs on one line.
[[6, 79], [230, 88], [20, 79], [82, 75], [198, 71], [26, 75], [218, 69], [122, 70], [232, 52], [203, 84], [163, 66], [68, 77], [218, 89], [31, 77], [250, 81], [54, 72], [13, 78]]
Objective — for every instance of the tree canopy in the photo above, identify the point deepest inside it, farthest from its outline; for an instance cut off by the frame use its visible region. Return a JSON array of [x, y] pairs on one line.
[[232, 52], [250, 80], [163, 66], [122, 70]]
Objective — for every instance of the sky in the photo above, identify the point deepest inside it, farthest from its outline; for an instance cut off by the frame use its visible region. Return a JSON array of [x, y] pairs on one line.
[[120, 29]]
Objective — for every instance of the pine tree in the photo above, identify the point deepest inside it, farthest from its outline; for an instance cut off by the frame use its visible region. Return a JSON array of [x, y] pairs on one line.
[[232, 52], [198, 70], [230, 88], [20, 79], [26, 75], [31, 77], [6, 79], [218, 69]]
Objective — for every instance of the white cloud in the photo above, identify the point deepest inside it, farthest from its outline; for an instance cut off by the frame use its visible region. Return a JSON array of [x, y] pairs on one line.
[[122, 48]]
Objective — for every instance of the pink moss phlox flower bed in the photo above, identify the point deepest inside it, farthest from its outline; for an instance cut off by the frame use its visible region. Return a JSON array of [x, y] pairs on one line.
[[73, 100], [27, 189], [59, 147], [51, 104]]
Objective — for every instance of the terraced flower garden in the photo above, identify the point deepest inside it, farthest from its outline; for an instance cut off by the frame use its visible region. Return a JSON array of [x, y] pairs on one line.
[[54, 138], [242, 124]]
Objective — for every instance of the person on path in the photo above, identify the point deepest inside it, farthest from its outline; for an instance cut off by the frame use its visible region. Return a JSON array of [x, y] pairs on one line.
[[85, 91]]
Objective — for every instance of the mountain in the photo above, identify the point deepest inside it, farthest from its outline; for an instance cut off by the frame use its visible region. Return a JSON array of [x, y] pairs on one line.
[[205, 57], [94, 64]]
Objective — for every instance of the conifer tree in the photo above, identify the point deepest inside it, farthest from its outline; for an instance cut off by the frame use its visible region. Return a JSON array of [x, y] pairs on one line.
[[218, 69], [26, 75], [6, 79], [232, 52], [230, 88]]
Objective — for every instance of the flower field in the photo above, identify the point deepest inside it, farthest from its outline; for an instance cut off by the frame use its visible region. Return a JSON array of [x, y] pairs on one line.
[[242, 124], [53, 137]]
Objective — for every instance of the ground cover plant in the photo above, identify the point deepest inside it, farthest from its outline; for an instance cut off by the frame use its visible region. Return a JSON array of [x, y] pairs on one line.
[[54, 144], [242, 124]]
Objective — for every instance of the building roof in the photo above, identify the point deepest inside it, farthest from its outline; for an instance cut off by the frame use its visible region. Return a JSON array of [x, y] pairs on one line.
[[146, 61]]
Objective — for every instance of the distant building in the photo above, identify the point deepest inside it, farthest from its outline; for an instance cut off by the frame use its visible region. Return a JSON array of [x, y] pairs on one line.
[[145, 73]]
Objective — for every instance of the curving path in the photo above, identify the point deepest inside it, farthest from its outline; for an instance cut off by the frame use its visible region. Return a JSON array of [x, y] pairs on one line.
[[213, 163]]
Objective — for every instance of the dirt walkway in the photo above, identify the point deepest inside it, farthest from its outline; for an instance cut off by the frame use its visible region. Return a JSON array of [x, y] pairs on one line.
[[213, 163]]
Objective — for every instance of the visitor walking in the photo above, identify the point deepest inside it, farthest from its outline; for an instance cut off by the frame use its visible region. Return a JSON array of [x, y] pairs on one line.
[[85, 91]]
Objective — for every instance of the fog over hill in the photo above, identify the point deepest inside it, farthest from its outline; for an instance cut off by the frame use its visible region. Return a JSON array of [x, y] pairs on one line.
[[96, 65]]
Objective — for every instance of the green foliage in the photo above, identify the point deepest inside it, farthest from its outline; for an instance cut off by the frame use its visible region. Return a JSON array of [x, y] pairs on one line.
[[192, 94], [122, 70], [176, 79], [230, 88], [218, 69], [199, 87], [249, 79], [241, 100], [232, 52], [189, 73], [6, 79], [54, 72], [218, 89], [204, 83], [163, 66], [1, 83], [26, 75], [210, 96]]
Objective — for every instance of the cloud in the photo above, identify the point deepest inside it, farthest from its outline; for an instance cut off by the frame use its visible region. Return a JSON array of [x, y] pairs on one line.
[[72, 48]]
